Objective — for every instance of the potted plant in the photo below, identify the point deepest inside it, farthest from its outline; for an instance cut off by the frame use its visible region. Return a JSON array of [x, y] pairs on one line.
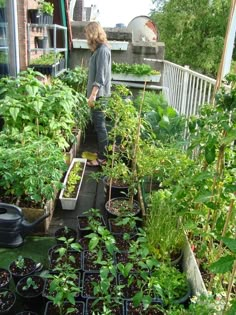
[[165, 238], [3, 10], [134, 72], [126, 133], [66, 232], [7, 301], [30, 289], [57, 102], [5, 278], [47, 64], [72, 184], [33, 193], [90, 221], [62, 288], [41, 41], [22, 267], [43, 14]]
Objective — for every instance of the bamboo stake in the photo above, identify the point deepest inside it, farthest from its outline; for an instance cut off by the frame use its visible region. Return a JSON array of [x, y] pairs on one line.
[[136, 144], [230, 285], [221, 67]]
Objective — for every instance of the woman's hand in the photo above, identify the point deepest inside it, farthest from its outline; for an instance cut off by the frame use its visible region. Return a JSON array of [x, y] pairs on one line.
[[91, 101]]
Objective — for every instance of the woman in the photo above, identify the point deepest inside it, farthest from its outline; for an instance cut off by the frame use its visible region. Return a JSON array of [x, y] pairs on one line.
[[99, 85]]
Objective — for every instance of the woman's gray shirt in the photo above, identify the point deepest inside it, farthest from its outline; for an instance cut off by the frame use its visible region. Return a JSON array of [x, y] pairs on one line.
[[100, 71]]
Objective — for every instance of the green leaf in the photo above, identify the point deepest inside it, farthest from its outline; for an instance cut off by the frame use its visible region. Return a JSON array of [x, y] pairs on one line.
[[210, 154], [230, 243], [14, 112], [223, 265], [232, 310], [147, 300], [137, 299]]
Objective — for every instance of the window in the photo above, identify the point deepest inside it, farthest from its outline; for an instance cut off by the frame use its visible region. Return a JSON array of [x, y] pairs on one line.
[[9, 56]]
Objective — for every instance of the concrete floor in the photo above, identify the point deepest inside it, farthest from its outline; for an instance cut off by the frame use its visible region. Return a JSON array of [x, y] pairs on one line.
[[91, 194]]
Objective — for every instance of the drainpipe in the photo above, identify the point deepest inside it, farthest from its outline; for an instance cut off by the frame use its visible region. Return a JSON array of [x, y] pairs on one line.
[[13, 25], [63, 16]]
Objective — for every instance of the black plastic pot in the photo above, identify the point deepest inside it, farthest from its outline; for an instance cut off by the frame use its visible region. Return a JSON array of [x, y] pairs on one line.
[[5, 278], [7, 302], [41, 42], [31, 297], [34, 16], [132, 310], [46, 290], [116, 190], [46, 69], [30, 267], [51, 309], [67, 232], [97, 307], [83, 224], [27, 313], [89, 260], [86, 285], [116, 207], [185, 298], [116, 229]]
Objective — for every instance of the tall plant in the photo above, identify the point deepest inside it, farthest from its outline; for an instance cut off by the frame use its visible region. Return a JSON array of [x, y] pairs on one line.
[[31, 170], [52, 110]]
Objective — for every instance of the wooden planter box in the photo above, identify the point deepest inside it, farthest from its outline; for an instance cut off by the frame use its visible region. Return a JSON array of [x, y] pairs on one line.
[[134, 78], [70, 203], [32, 214], [70, 155]]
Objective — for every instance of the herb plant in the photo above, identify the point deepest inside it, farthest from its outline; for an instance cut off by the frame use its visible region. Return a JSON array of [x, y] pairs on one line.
[[137, 69], [73, 181]]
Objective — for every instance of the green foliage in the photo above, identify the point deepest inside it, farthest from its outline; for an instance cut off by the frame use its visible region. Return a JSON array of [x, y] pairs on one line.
[[2, 3], [160, 121], [20, 262], [136, 69], [193, 32], [47, 59], [174, 283], [165, 237], [4, 57], [63, 288], [30, 283], [31, 170], [46, 7], [32, 107], [225, 263], [73, 181], [76, 78]]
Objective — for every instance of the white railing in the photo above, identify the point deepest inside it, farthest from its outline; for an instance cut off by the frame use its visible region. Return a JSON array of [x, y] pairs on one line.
[[184, 89]]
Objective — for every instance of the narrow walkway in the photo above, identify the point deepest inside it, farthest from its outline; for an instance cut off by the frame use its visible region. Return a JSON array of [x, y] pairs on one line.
[[91, 194]]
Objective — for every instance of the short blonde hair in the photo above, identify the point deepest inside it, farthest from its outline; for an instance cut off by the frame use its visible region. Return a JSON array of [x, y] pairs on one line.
[[95, 35]]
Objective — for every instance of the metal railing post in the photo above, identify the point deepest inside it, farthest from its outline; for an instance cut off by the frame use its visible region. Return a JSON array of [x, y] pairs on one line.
[[184, 91]]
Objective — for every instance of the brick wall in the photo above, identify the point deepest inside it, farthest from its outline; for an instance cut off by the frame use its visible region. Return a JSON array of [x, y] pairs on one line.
[[78, 10], [22, 32]]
